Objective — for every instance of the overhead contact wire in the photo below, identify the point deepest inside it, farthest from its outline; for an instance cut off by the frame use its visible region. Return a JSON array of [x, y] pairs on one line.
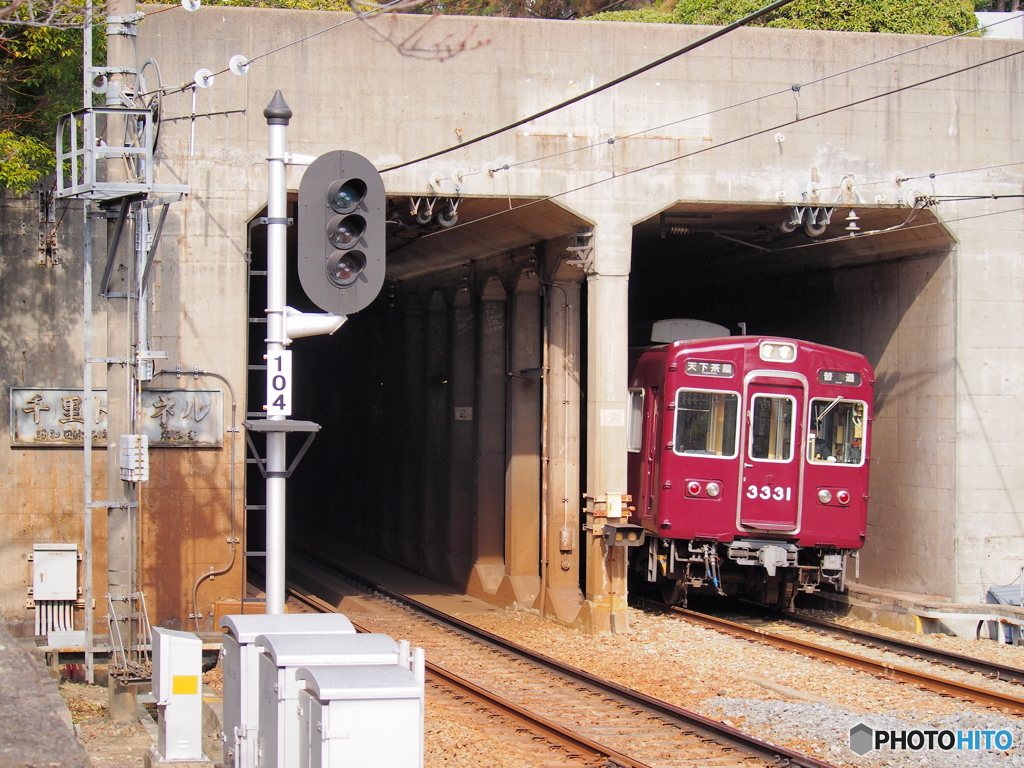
[[738, 139], [645, 68], [611, 83]]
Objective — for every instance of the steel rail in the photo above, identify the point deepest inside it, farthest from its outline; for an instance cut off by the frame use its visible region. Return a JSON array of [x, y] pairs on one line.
[[993, 669], [550, 730], [932, 682], [727, 735]]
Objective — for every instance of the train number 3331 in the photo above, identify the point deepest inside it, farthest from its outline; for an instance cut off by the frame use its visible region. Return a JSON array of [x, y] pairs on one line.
[[767, 492]]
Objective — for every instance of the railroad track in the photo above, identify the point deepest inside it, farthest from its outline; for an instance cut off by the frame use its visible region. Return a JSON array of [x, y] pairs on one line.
[[586, 718], [990, 669], [944, 685]]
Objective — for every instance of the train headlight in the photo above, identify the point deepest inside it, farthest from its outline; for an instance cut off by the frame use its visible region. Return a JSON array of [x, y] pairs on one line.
[[713, 489], [825, 496], [843, 497], [777, 351]]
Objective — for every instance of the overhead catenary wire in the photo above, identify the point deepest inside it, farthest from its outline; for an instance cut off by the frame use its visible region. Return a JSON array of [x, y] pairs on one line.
[[357, 15], [740, 22], [610, 84], [905, 227], [736, 140]]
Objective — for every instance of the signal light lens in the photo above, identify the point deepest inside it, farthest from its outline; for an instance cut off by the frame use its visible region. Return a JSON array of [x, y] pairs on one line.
[[343, 232], [825, 496], [344, 196], [344, 268], [843, 497], [693, 488], [713, 489]]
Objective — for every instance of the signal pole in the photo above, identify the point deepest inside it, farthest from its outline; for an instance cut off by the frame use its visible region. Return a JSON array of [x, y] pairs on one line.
[[278, 115], [342, 206]]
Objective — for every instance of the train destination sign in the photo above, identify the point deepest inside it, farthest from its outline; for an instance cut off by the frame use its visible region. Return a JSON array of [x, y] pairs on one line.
[[844, 378], [717, 368], [170, 418]]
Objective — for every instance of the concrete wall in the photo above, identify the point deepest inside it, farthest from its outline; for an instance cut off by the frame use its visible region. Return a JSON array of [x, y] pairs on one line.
[[931, 506], [939, 328]]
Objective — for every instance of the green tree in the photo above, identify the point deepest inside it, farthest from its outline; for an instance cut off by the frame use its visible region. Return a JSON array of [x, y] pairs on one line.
[[922, 17], [40, 80]]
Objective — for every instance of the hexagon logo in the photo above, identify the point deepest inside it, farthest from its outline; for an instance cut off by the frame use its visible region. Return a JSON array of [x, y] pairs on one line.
[[862, 739]]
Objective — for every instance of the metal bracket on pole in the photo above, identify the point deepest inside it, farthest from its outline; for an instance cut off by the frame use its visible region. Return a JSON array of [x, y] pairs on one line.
[[115, 241], [265, 426], [152, 247]]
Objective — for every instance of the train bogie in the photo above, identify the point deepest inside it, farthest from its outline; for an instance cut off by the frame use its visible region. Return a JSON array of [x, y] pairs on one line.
[[748, 465]]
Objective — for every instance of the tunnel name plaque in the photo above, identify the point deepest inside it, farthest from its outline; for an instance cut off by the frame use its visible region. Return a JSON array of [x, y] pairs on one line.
[[170, 418]]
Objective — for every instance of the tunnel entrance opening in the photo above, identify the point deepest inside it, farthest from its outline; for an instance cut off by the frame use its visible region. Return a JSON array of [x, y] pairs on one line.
[[436, 402]]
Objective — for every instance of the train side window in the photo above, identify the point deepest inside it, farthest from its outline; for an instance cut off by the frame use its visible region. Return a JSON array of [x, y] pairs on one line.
[[836, 432], [635, 420], [706, 423], [771, 430]]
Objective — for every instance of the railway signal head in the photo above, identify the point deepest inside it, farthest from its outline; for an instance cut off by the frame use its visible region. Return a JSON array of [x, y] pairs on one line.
[[342, 206]]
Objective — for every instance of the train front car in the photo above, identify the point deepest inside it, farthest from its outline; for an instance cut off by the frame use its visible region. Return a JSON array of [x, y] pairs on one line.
[[748, 466]]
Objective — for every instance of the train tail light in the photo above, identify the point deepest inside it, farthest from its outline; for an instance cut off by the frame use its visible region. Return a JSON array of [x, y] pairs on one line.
[[707, 489], [836, 497]]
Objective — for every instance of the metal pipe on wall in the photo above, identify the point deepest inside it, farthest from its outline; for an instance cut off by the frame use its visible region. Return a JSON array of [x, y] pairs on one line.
[[233, 539]]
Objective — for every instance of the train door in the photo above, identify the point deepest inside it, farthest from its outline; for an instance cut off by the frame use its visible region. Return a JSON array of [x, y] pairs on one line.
[[770, 490], [644, 423]]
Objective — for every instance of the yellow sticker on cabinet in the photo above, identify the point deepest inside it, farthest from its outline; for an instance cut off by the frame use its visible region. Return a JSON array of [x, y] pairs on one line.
[[185, 684]]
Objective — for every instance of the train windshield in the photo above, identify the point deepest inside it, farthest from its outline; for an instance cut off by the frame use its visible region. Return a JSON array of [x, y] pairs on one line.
[[771, 432], [706, 423], [836, 432]]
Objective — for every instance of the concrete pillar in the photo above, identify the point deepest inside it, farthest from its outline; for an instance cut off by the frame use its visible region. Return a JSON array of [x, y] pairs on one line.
[[411, 470], [489, 419], [521, 585], [388, 531], [435, 457], [607, 373], [462, 417], [562, 598]]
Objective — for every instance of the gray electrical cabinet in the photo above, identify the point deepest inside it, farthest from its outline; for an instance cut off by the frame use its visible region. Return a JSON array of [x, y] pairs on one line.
[[178, 687], [361, 716], [240, 664], [280, 657]]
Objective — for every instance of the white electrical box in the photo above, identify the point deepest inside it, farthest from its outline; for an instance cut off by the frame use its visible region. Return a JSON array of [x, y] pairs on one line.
[[241, 672], [178, 688], [281, 657], [54, 572], [134, 458], [361, 715]]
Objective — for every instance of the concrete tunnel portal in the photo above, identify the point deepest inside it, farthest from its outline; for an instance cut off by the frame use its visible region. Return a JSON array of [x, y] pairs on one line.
[[453, 410]]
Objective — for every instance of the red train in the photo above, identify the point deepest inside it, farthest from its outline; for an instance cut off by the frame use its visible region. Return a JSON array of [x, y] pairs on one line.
[[747, 466]]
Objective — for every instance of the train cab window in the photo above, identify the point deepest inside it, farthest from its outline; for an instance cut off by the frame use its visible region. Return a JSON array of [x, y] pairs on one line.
[[836, 432], [706, 423], [635, 420], [771, 431]]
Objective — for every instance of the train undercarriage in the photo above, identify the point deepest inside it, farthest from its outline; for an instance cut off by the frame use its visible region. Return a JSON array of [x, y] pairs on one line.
[[768, 572]]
